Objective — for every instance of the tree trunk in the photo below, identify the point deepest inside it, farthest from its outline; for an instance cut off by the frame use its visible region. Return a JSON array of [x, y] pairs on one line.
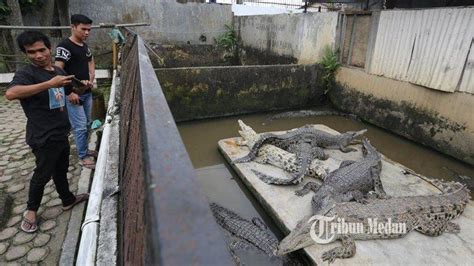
[[15, 19], [63, 11], [47, 13]]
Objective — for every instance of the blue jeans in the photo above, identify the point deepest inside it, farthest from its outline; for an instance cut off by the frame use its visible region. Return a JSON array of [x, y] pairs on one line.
[[80, 118]]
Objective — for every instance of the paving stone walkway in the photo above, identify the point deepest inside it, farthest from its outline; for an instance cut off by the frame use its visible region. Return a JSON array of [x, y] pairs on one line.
[[16, 168]]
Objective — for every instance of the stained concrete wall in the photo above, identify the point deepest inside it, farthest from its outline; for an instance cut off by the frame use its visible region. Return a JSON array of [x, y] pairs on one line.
[[203, 92], [443, 121], [302, 36], [171, 22]]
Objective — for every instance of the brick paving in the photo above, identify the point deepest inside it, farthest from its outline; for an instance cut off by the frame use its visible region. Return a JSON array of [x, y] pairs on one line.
[[16, 168]]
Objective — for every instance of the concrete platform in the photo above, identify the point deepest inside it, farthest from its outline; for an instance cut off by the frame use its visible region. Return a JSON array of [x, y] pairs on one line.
[[287, 209]]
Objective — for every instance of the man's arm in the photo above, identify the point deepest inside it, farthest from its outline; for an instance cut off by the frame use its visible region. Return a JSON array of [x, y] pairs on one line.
[[24, 91], [60, 64], [91, 71]]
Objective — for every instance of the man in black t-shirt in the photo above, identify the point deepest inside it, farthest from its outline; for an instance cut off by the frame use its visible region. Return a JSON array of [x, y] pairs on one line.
[[74, 56], [41, 89]]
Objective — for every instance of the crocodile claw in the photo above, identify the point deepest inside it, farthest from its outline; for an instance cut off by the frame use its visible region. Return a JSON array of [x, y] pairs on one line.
[[329, 255]]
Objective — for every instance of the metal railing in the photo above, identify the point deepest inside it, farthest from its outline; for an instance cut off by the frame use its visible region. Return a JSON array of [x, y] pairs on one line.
[[165, 217], [290, 4]]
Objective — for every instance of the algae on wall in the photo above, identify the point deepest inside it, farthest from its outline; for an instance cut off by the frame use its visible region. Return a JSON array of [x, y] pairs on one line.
[[406, 119], [219, 91]]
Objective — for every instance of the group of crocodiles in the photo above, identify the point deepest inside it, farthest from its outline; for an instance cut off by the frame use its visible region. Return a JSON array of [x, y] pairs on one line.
[[354, 192]]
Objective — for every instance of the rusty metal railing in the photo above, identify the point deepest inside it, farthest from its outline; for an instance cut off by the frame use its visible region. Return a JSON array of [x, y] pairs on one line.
[[165, 218]]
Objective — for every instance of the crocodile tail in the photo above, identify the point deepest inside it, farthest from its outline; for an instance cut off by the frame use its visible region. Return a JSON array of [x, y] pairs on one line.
[[253, 151], [247, 158], [275, 180]]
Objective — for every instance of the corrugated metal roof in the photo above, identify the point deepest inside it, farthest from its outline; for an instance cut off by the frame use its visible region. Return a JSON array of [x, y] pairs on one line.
[[426, 47]]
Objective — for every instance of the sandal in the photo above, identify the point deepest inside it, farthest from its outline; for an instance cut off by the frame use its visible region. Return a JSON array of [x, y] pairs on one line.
[[27, 225], [79, 198], [92, 153], [87, 163]]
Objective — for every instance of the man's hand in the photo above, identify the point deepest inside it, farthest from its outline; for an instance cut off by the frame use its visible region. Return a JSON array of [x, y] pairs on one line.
[[73, 98], [60, 81], [88, 83]]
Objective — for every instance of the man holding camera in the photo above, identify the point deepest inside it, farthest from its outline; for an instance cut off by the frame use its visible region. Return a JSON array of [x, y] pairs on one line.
[[41, 89]]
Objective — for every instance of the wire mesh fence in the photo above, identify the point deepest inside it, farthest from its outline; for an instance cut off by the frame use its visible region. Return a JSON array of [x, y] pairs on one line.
[[165, 217]]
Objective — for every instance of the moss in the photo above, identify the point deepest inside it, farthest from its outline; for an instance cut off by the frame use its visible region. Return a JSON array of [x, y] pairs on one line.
[[213, 92], [403, 118]]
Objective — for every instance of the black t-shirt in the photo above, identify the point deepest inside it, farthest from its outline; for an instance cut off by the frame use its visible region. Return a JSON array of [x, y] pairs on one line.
[[76, 58], [47, 117]]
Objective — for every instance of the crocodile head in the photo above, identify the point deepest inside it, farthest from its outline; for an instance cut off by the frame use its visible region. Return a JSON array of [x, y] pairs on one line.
[[367, 148], [298, 238], [350, 136]]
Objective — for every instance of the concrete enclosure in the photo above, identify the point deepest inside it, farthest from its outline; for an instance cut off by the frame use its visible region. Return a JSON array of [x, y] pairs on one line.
[[443, 121], [402, 45], [203, 92]]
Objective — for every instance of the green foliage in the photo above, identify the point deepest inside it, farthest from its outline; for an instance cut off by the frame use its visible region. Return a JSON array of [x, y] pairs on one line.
[[4, 11], [26, 6], [330, 64], [230, 43]]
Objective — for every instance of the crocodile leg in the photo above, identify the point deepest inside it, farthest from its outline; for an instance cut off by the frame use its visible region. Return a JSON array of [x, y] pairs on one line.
[[347, 250], [346, 149], [346, 163], [433, 227], [310, 186], [258, 222], [356, 195], [319, 153], [274, 180], [241, 245], [378, 187], [452, 228]]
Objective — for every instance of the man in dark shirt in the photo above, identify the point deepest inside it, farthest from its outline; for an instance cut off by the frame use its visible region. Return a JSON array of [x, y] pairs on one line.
[[74, 56], [41, 89]]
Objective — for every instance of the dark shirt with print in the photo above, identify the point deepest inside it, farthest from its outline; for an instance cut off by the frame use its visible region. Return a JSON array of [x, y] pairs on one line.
[[46, 113], [76, 59]]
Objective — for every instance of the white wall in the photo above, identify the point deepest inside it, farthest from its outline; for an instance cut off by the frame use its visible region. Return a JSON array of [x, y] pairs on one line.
[[303, 36]]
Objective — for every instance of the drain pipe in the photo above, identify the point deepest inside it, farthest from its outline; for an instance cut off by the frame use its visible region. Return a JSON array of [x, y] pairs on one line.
[[90, 227]]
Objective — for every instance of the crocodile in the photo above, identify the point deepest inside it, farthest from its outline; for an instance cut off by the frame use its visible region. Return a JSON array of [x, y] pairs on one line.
[[250, 235], [429, 214], [351, 181], [306, 113], [269, 154], [253, 232], [306, 143]]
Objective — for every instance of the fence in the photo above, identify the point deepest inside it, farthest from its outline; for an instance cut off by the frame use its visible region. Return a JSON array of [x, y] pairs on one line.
[[165, 217], [431, 47], [289, 4]]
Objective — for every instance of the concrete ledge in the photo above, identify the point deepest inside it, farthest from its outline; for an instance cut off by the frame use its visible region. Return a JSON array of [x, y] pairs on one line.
[[203, 92], [71, 240], [440, 120], [414, 249], [107, 250]]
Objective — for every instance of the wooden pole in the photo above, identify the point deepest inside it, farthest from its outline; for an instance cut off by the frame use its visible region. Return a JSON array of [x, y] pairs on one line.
[[114, 55]]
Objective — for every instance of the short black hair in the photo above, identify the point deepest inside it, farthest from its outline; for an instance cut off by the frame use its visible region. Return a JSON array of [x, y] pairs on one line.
[[77, 19], [30, 37]]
